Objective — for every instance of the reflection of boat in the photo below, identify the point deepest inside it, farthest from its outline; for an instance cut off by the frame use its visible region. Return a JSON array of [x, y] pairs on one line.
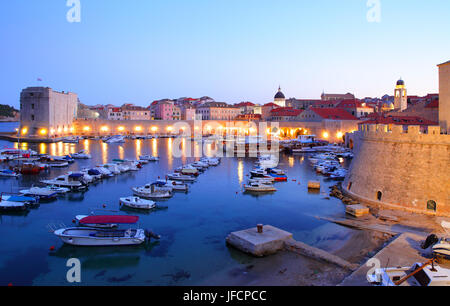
[[150, 192], [9, 173], [136, 202], [259, 187], [427, 274], [181, 177], [88, 236]]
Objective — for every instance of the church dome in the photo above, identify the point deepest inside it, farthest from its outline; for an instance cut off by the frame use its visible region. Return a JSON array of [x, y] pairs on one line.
[[400, 83], [279, 94]]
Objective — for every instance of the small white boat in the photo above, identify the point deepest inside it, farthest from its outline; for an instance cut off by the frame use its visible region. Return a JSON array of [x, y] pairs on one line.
[[113, 168], [9, 173], [60, 164], [211, 161], [259, 187], [104, 171], [189, 170], [181, 177], [150, 192], [148, 158], [115, 139], [200, 164], [427, 274], [81, 155], [138, 203]]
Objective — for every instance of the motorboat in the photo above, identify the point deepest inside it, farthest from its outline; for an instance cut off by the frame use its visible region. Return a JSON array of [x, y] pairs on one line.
[[137, 203], [262, 180], [88, 236], [174, 185], [200, 164], [259, 187], [71, 181], [104, 171], [58, 164], [115, 139], [259, 172], [189, 170], [149, 158], [420, 274], [71, 139], [14, 198], [81, 155], [43, 194], [181, 177], [278, 174], [9, 206], [211, 161], [151, 192], [9, 173], [94, 173], [113, 168], [58, 190]]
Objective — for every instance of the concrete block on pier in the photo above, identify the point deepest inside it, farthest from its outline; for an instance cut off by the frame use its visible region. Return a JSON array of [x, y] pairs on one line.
[[313, 185], [357, 210], [270, 241]]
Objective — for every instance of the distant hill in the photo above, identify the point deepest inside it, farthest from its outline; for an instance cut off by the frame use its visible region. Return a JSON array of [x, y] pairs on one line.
[[7, 111]]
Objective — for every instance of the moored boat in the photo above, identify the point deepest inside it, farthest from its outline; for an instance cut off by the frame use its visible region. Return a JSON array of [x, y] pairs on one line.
[[259, 187], [137, 203], [181, 177]]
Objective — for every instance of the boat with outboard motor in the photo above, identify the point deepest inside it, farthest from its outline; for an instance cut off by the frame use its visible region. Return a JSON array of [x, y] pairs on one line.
[[91, 236], [137, 203]]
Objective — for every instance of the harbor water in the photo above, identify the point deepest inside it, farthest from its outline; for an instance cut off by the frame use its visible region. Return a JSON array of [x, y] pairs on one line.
[[192, 225]]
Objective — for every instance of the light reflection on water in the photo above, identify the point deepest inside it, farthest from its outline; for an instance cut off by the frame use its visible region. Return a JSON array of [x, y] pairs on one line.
[[193, 227]]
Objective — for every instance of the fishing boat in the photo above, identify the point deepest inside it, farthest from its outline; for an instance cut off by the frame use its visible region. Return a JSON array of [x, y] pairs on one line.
[[420, 274], [137, 203], [150, 192], [9, 173], [89, 236], [43, 194], [181, 177], [259, 187], [149, 158], [174, 185], [81, 155]]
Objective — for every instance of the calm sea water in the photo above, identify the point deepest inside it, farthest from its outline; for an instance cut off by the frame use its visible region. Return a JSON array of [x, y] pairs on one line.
[[193, 227]]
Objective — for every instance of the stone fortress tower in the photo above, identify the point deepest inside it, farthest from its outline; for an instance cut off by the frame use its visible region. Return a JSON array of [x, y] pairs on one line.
[[400, 96], [407, 169], [279, 98]]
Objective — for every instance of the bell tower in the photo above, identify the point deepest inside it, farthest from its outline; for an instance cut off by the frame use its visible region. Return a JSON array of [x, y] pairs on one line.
[[400, 96]]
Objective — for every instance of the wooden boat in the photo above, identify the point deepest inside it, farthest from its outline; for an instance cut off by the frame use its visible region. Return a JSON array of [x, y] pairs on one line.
[[137, 203]]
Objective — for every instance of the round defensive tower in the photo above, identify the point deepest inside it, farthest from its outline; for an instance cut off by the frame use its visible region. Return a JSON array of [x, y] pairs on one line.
[[398, 169]]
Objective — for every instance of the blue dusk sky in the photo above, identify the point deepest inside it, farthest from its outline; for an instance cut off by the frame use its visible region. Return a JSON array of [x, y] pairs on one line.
[[138, 51]]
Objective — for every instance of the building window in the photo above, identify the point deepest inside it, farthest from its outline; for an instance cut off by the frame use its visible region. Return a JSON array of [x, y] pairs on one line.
[[32, 106], [32, 117], [431, 205], [379, 195]]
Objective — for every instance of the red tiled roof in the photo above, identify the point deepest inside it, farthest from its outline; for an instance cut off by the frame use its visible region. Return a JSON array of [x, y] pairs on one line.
[[351, 103], [399, 120], [271, 105], [242, 104], [334, 113], [433, 104], [285, 111]]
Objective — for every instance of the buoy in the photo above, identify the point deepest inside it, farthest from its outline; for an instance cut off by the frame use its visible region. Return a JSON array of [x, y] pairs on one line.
[[74, 221], [52, 248]]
